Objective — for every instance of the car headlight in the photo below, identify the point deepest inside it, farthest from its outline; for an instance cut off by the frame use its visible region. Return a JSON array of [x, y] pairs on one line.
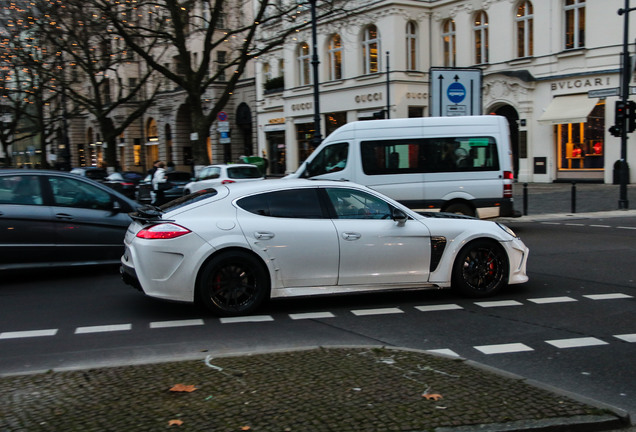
[[506, 229]]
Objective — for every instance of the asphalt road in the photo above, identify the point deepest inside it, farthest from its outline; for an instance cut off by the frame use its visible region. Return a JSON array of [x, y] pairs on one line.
[[573, 325]]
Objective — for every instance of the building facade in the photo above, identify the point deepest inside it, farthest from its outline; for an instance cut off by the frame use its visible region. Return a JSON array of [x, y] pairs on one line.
[[538, 61]]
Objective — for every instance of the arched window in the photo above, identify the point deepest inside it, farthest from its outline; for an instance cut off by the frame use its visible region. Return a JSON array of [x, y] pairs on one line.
[[480, 29], [335, 58], [574, 24], [524, 21], [304, 77], [371, 50], [411, 46], [448, 39]]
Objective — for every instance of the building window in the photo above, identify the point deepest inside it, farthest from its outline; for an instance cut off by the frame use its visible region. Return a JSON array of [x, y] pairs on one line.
[[303, 64], [411, 46], [524, 21], [448, 39], [580, 146], [480, 29], [267, 73], [574, 24], [335, 58], [371, 50]]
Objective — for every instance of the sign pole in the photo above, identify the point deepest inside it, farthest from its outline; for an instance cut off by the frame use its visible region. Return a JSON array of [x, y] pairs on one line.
[[623, 203]]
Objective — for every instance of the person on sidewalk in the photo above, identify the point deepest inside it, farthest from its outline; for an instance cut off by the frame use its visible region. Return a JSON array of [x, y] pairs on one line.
[[159, 183]]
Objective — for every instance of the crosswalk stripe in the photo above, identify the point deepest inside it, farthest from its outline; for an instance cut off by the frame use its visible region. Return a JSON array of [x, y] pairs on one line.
[[612, 296], [546, 300], [499, 303], [103, 328], [311, 315], [503, 348], [176, 323], [380, 311], [627, 337], [246, 319], [28, 334], [576, 342], [442, 307]]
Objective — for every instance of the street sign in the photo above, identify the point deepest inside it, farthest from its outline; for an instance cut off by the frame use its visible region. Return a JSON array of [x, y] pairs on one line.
[[222, 116], [601, 93], [455, 92], [223, 126]]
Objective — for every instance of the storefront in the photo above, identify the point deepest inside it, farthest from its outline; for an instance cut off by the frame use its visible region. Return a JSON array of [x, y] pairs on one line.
[[579, 136]]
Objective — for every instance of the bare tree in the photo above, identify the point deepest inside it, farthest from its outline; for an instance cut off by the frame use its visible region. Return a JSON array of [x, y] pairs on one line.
[[178, 39]]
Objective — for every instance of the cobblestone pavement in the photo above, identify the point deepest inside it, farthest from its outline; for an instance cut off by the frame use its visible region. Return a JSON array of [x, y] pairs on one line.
[[320, 389]]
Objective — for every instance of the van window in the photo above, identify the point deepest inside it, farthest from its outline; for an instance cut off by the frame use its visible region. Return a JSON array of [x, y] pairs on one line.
[[429, 155], [332, 158]]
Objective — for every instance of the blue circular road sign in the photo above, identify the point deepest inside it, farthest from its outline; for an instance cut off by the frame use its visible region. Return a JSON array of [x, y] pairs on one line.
[[456, 92]]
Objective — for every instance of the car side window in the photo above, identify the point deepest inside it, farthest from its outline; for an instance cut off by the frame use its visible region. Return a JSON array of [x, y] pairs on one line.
[[69, 192], [332, 158], [20, 189], [294, 203], [354, 204]]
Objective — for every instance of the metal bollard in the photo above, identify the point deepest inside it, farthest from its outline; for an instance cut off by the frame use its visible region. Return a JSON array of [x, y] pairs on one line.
[[525, 199], [573, 208]]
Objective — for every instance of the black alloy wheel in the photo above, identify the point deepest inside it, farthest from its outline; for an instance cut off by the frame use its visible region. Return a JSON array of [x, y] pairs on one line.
[[480, 269], [234, 283]]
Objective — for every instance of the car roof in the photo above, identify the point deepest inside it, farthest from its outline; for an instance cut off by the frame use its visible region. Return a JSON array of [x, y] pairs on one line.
[[231, 165], [246, 188]]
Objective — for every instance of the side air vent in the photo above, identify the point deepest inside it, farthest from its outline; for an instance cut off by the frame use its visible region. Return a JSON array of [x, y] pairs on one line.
[[438, 244]]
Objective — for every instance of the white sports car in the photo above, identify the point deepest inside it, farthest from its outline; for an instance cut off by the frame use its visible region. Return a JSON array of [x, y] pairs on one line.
[[236, 245]]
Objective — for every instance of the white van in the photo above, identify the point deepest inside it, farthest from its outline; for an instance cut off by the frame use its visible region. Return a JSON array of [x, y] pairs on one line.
[[450, 164]]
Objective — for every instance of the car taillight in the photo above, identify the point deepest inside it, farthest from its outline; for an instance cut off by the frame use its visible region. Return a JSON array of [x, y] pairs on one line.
[[507, 187], [227, 181], [127, 184], [163, 231]]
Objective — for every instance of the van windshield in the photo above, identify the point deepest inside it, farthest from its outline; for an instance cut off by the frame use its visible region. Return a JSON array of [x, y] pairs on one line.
[[332, 158]]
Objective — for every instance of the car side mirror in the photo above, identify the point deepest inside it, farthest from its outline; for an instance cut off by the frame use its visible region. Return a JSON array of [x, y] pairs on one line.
[[399, 216]]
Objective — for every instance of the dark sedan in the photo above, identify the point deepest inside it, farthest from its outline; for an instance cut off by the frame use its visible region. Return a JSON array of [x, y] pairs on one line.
[[176, 179], [53, 218]]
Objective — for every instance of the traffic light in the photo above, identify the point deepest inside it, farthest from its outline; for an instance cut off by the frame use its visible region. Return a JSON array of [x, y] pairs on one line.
[[631, 116], [620, 114]]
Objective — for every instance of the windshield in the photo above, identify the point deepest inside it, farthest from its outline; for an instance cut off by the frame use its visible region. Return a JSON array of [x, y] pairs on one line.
[[189, 199], [332, 158]]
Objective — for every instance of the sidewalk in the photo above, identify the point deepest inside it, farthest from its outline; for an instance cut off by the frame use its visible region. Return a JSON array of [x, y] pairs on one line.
[[362, 389], [366, 389]]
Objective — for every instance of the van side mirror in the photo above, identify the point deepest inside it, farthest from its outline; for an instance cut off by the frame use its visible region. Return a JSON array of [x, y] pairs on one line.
[[399, 216]]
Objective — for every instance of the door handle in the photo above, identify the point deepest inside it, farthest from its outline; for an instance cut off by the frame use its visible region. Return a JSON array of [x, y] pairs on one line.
[[64, 216], [262, 235], [351, 236]]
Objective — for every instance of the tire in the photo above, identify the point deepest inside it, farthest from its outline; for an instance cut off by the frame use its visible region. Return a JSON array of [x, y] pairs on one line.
[[480, 269], [459, 208], [234, 283]]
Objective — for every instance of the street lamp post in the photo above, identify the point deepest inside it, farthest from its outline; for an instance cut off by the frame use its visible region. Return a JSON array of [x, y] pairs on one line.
[[315, 62], [623, 203]]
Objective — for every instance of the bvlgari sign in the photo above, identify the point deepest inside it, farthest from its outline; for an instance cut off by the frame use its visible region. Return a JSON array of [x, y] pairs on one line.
[[580, 84]]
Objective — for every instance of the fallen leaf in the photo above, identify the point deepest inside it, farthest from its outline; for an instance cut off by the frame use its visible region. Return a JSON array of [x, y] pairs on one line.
[[175, 423], [432, 396], [183, 388]]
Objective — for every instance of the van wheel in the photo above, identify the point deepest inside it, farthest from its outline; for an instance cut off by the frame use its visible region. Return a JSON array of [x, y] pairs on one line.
[[234, 283], [480, 269], [459, 208]]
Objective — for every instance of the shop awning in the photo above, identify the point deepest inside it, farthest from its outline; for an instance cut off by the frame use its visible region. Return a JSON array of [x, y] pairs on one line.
[[568, 109]]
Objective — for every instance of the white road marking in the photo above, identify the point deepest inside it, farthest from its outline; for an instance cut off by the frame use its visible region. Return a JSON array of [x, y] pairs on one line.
[[575, 224], [601, 226], [627, 337], [246, 319], [311, 315], [576, 342], [442, 307], [28, 334], [380, 311], [612, 296], [176, 323], [546, 300], [551, 223], [627, 228], [444, 351], [503, 348], [103, 328], [498, 303]]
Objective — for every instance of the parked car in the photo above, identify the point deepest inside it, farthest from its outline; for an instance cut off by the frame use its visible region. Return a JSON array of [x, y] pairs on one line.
[[234, 246], [124, 183], [93, 173], [54, 218], [177, 180], [213, 175]]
